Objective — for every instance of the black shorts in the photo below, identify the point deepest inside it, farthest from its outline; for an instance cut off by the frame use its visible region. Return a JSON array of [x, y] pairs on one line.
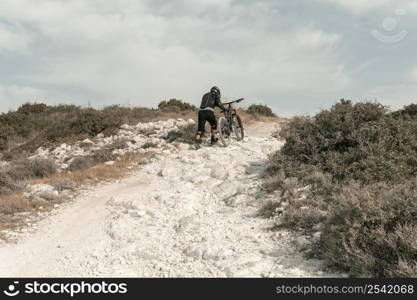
[[206, 116]]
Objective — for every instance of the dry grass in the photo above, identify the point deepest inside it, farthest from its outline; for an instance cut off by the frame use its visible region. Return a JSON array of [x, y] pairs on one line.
[[99, 172], [15, 203], [11, 204], [69, 140]]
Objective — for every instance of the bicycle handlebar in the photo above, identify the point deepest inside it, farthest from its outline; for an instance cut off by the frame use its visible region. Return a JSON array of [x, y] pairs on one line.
[[235, 101]]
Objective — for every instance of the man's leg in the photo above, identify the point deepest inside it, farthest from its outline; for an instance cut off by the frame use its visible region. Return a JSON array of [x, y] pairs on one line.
[[213, 123], [201, 125], [198, 135]]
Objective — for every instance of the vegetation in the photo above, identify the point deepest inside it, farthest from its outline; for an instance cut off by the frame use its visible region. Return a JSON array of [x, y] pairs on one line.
[[13, 176], [36, 125], [352, 168], [177, 106], [260, 110]]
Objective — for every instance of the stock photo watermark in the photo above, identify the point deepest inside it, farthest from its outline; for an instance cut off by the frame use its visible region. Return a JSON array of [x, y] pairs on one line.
[[69, 289], [391, 34]]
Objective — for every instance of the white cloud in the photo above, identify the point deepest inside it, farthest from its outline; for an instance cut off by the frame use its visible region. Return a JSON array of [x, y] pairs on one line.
[[10, 95], [13, 39], [134, 51], [360, 6], [413, 74], [395, 95]]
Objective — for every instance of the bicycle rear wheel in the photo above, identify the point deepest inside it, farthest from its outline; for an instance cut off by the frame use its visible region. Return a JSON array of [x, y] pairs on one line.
[[238, 128], [224, 131]]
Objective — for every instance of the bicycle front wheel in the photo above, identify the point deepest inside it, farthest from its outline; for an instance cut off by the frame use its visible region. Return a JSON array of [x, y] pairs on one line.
[[224, 131]]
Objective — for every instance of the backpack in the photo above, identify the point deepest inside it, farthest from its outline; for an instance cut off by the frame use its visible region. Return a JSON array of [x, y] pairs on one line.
[[209, 100]]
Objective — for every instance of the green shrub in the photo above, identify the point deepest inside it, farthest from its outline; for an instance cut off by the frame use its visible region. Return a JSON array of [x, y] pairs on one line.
[[356, 167], [350, 141], [408, 112], [176, 106], [262, 110], [303, 217], [40, 167], [64, 184], [36, 125], [32, 108], [20, 171], [372, 230], [148, 145], [7, 156], [269, 209], [23, 170], [8, 185], [3, 142], [81, 163], [92, 122], [103, 155]]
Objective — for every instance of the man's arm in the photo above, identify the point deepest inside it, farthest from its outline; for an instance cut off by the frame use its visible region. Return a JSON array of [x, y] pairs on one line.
[[219, 104]]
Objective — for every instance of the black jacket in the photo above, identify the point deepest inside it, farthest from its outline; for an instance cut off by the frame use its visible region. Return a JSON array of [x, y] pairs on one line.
[[211, 100]]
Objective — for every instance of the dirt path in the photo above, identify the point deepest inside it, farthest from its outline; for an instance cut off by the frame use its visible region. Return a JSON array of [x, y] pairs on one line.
[[189, 214]]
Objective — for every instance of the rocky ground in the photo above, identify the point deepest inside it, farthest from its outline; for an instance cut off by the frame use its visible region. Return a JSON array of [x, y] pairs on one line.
[[188, 213], [129, 139]]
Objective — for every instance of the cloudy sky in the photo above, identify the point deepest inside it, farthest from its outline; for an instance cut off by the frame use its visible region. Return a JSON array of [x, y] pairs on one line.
[[297, 56]]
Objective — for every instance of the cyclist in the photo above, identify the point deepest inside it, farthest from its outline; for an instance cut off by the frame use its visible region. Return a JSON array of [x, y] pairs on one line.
[[206, 114]]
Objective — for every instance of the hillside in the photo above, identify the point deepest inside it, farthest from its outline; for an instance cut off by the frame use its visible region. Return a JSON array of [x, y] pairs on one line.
[[186, 213]]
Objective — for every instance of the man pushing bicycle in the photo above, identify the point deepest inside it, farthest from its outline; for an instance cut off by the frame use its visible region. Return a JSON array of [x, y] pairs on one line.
[[206, 114]]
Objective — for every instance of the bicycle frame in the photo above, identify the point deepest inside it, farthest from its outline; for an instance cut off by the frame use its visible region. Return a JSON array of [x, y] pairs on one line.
[[230, 112]]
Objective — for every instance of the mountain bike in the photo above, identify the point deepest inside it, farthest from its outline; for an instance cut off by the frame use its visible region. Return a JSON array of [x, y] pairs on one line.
[[230, 123]]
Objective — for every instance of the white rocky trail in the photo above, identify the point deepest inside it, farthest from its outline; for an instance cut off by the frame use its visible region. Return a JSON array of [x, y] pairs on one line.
[[190, 213]]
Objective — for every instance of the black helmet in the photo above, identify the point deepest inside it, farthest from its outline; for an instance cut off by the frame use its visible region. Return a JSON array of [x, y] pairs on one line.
[[215, 90]]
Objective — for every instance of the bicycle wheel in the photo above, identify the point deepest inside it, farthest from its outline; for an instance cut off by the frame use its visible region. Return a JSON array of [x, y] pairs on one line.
[[224, 131], [238, 128]]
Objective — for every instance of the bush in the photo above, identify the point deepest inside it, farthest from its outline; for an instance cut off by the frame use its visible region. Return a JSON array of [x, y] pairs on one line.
[[35, 108], [361, 142], [356, 167], [408, 112], [37, 168], [42, 167], [269, 209], [262, 110], [103, 155], [372, 230], [12, 204], [92, 122], [81, 163], [13, 176], [303, 217], [35, 125], [176, 106], [148, 145], [64, 184], [7, 184], [20, 171]]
